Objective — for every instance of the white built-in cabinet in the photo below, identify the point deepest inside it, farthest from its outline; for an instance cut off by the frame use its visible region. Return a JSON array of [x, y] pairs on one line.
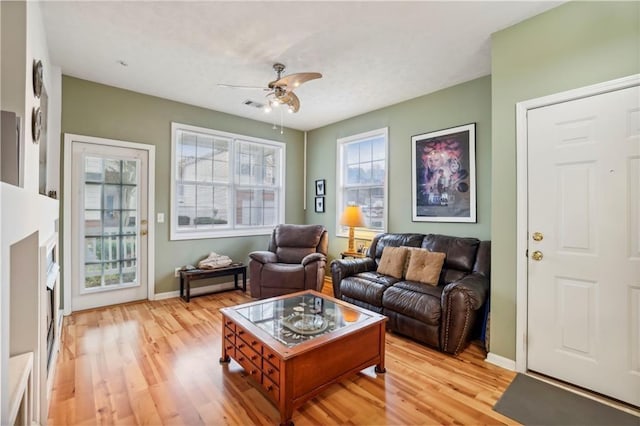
[[29, 249]]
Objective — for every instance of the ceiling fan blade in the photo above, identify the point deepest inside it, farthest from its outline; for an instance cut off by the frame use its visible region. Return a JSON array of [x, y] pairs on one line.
[[236, 86], [291, 81], [292, 100], [295, 102]]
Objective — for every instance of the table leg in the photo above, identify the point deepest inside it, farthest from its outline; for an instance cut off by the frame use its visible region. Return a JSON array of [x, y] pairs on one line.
[[181, 285], [187, 285], [381, 347], [224, 358], [244, 280], [235, 280], [286, 414]]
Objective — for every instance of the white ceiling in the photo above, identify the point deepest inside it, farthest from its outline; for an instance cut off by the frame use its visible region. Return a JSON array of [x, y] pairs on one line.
[[372, 54]]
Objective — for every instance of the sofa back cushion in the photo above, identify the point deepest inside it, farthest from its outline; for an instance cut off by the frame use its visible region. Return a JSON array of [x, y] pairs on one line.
[[460, 255], [392, 240]]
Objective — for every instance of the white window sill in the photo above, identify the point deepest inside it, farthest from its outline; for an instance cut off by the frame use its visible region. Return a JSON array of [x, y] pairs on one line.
[[195, 235]]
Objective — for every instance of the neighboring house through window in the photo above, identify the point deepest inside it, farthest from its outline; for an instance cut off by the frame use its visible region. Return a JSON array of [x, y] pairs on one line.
[[362, 179], [224, 184]]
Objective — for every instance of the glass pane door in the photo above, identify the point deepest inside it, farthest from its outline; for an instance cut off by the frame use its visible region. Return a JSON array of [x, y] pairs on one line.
[[111, 232]]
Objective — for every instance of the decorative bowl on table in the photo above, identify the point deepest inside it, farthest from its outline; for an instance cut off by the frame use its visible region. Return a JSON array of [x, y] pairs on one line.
[[305, 323]]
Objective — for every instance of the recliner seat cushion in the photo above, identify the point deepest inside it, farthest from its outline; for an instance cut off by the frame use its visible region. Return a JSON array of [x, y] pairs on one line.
[[282, 275], [414, 300]]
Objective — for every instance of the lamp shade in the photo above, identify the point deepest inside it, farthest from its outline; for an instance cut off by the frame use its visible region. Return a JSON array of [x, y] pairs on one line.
[[352, 217]]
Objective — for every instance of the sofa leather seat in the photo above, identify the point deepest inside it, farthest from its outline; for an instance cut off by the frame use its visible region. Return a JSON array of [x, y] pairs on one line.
[[367, 288], [442, 316]]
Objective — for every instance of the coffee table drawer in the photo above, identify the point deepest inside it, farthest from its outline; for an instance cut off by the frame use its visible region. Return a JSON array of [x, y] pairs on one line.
[[229, 347], [249, 352], [271, 388], [229, 334], [229, 324], [271, 357], [270, 372], [249, 367]]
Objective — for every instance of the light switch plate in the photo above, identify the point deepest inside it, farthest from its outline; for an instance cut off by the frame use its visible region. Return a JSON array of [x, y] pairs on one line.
[[160, 218]]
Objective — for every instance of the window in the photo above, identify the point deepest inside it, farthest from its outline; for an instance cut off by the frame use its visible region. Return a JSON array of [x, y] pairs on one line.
[[224, 184], [362, 177]]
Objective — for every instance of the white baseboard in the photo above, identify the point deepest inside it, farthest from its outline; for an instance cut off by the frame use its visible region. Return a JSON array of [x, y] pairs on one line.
[[501, 361], [195, 291]]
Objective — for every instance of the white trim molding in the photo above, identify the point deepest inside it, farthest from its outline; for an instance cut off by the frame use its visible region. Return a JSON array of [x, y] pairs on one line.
[[501, 361], [522, 220]]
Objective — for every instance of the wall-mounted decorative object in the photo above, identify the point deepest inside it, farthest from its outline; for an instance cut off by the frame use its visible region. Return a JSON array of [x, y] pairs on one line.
[[444, 175], [44, 108], [36, 124], [37, 78], [319, 204], [320, 188]]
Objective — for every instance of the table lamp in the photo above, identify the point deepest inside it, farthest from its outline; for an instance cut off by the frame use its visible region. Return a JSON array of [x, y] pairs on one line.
[[352, 217]]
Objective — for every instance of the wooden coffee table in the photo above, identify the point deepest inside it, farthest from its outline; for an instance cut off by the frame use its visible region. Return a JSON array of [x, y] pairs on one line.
[[297, 345]]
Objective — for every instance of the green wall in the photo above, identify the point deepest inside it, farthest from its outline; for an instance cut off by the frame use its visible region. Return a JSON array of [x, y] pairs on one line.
[[574, 45], [97, 110], [462, 104]]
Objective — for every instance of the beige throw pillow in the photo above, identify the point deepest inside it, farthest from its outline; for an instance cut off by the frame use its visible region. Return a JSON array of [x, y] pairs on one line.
[[392, 261], [425, 266]]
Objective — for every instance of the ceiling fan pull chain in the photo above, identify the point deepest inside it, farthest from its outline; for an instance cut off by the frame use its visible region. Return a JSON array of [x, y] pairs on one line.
[[281, 122]]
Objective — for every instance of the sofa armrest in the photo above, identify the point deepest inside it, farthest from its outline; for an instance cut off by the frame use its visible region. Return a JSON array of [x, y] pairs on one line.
[[263, 256], [343, 268], [313, 257], [461, 301]]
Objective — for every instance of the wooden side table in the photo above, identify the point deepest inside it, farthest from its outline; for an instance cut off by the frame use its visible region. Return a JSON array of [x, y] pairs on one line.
[[356, 255], [200, 274]]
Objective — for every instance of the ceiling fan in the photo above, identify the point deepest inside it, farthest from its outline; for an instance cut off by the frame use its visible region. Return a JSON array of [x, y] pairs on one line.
[[281, 89]]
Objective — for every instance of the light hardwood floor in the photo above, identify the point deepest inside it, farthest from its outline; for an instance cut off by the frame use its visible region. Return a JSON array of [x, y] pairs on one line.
[[157, 363]]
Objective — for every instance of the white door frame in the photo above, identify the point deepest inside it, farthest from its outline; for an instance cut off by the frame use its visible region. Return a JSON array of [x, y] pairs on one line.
[[522, 218], [69, 138]]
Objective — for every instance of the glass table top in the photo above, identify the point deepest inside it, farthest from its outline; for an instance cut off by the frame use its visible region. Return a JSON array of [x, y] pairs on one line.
[[297, 319]]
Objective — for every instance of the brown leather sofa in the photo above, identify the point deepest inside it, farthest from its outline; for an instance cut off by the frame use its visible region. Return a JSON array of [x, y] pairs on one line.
[[442, 316], [295, 261]]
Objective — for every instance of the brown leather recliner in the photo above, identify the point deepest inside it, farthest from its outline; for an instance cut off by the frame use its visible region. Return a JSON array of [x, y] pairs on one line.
[[295, 261], [441, 316]]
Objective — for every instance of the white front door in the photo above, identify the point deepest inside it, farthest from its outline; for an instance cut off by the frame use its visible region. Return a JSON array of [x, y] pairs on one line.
[[109, 224], [584, 243]]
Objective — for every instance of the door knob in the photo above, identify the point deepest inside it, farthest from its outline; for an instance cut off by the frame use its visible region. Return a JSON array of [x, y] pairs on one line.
[[143, 232], [537, 255], [537, 236]]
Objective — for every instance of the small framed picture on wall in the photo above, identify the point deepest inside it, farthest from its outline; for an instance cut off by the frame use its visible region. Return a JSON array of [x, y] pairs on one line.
[[319, 204], [320, 188]]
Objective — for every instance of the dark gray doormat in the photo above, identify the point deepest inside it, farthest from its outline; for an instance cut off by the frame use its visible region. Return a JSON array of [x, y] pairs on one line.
[[534, 402]]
